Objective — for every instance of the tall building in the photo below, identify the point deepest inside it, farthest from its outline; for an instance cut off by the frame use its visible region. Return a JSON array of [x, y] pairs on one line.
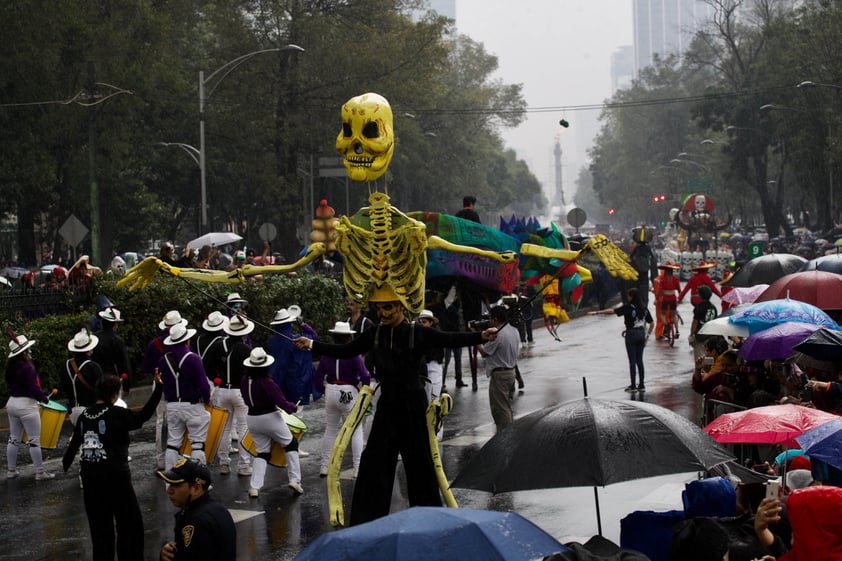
[[622, 68], [663, 27]]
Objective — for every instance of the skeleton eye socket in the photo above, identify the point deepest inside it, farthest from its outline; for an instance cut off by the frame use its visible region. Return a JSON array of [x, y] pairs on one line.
[[370, 130], [386, 306], [346, 130]]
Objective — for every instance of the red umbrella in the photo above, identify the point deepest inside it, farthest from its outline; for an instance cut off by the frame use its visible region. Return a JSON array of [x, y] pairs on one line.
[[819, 288], [772, 424]]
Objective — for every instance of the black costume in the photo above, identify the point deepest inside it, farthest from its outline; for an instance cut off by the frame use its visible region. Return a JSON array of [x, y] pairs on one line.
[[400, 424], [204, 531], [111, 354], [102, 432]]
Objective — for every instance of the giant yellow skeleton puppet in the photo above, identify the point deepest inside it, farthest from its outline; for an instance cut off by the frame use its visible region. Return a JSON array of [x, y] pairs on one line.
[[384, 254]]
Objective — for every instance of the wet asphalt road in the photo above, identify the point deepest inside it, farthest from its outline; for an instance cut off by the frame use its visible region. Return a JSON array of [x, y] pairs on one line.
[[46, 520]]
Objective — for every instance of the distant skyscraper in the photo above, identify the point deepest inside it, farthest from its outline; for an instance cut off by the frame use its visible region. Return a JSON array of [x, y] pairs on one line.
[[665, 27], [622, 68]]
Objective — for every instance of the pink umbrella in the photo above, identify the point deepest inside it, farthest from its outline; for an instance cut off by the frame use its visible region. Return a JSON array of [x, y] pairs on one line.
[[772, 424], [744, 295]]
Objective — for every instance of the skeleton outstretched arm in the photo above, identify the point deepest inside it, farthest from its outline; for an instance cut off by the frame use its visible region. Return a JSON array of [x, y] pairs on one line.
[[435, 242], [142, 274], [615, 260]]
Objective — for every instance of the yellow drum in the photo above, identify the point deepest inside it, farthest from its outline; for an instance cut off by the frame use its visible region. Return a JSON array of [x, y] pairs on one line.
[[52, 417], [217, 422], [278, 456]]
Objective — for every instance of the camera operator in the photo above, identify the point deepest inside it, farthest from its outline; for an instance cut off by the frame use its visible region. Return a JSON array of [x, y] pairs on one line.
[[500, 363]]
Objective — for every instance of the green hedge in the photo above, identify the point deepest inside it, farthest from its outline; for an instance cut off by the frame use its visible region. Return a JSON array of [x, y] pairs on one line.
[[320, 298]]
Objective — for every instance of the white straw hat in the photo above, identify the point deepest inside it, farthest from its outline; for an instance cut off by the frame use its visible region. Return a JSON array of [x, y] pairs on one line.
[[172, 318], [82, 342], [111, 314], [282, 316], [214, 322], [179, 333], [19, 345], [342, 328], [258, 358], [238, 326]]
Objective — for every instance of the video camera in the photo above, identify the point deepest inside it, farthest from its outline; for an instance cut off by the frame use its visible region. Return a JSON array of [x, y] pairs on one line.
[[479, 324]]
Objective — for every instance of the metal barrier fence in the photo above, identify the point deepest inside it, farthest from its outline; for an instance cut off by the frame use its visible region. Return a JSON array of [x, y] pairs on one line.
[[26, 304]]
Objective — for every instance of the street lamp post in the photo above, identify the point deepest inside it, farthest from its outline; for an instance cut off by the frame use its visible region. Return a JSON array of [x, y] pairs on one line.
[[810, 84], [222, 72]]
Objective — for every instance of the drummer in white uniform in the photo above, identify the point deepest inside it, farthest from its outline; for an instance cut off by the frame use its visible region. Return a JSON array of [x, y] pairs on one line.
[[24, 395], [263, 398]]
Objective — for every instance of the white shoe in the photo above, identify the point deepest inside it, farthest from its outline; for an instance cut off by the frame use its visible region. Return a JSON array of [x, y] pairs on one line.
[[296, 486], [224, 469], [43, 475], [303, 454], [234, 436], [253, 492], [12, 474], [244, 471], [234, 450], [323, 472]]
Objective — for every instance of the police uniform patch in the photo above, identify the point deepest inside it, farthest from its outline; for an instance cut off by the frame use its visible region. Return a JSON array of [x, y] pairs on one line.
[[187, 534]]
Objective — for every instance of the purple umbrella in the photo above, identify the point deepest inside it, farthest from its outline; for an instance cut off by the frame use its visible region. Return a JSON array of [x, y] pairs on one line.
[[763, 315], [776, 342]]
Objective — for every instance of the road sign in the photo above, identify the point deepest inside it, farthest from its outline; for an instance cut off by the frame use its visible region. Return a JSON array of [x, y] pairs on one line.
[[576, 217], [755, 249], [700, 185], [267, 232], [73, 231], [331, 166]]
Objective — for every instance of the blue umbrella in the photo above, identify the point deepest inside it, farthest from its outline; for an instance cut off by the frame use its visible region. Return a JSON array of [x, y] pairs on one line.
[[824, 443], [763, 315], [423, 533]]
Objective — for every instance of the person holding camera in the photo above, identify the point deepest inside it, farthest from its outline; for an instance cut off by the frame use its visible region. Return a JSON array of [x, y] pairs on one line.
[[500, 363], [293, 368]]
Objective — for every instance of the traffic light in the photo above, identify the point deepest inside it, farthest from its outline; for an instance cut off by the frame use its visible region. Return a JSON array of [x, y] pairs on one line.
[[323, 226], [658, 198], [610, 211]]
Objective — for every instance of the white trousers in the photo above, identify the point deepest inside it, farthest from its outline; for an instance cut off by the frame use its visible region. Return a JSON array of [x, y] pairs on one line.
[[434, 379], [339, 400], [191, 418], [24, 415], [264, 429], [231, 400]]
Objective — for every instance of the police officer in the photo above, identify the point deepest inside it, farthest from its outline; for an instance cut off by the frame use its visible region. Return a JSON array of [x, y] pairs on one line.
[[204, 529]]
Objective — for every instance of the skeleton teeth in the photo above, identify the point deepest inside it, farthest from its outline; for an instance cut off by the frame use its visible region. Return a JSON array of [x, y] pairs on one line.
[[360, 161]]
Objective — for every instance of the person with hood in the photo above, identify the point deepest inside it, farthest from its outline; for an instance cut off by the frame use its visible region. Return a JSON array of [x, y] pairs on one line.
[[814, 514], [292, 369]]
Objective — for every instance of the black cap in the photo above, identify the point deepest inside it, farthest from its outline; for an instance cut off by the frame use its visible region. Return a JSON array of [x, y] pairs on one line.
[[189, 470]]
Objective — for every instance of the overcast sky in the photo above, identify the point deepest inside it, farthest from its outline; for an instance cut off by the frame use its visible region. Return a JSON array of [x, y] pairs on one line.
[[560, 50]]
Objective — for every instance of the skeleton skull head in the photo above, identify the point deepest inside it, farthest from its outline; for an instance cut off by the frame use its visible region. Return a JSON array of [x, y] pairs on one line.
[[699, 203], [366, 141]]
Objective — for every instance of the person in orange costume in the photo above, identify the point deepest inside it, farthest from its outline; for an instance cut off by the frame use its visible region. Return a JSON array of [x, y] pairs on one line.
[[700, 278]]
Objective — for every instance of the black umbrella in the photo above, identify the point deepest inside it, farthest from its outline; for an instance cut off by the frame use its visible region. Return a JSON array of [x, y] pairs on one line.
[[823, 344], [829, 263], [590, 442], [765, 269]]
